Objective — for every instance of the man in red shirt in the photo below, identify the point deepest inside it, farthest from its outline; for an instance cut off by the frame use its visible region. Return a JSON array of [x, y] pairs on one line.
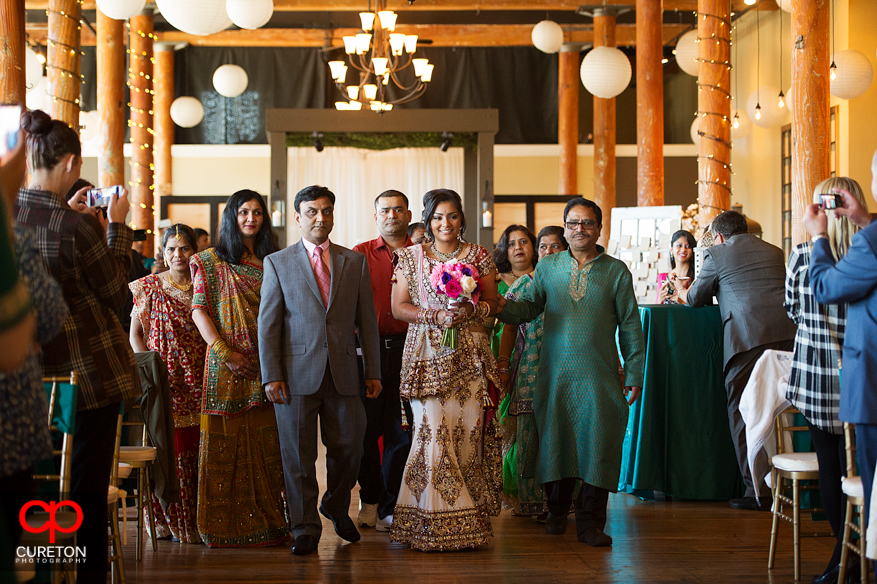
[[379, 481]]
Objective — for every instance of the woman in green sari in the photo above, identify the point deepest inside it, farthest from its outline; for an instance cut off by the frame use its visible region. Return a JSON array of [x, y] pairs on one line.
[[515, 257], [240, 475], [520, 346]]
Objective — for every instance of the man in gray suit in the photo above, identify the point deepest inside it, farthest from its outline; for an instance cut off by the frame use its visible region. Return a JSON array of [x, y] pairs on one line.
[[316, 299], [747, 275]]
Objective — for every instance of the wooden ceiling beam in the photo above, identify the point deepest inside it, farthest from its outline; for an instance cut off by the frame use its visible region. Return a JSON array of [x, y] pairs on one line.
[[440, 35], [434, 5]]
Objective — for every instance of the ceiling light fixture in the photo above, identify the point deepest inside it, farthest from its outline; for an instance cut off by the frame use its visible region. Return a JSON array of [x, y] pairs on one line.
[[380, 55]]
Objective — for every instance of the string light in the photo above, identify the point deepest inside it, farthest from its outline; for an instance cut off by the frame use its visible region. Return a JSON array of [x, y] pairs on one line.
[[63, 56]]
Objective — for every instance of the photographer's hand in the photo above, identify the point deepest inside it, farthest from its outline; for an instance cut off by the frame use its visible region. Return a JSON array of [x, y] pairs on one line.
[[78, 202], [815, 221], [852, 209], [118, 209]]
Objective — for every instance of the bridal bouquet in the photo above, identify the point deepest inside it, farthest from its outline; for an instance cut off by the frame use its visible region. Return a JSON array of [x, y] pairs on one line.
[[460, 283]]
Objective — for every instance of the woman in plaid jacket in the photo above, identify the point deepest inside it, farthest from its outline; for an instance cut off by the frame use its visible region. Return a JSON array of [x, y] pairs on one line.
[[91, 264], [814, 382]]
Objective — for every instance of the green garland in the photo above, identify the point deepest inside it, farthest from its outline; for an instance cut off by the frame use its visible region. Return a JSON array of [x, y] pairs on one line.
[[382, 141]]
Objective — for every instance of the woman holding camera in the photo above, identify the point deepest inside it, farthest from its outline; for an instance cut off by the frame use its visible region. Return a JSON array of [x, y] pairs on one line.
[[814, 381], [92, 267], [161, 321]]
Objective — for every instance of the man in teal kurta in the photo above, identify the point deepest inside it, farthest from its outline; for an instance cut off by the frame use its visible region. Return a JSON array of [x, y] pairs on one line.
[[579, 404]]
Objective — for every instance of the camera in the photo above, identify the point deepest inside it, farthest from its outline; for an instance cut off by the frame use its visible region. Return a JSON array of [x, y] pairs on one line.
[[139, 235], [831, 201], [101, 197]]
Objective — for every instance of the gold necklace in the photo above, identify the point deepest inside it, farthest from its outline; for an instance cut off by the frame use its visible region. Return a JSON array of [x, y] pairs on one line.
[[446, 257], [185, 288]]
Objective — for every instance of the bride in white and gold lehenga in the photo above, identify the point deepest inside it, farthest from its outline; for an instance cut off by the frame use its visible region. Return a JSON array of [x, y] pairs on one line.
[[453, 476]]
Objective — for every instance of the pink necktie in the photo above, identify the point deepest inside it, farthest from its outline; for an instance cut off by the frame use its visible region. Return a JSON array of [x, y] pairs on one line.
[[322, 273]]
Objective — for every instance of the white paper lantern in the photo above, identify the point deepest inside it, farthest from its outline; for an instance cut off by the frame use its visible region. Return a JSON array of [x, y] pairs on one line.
[[187, 112], [38, 97], [230, 80], [853, 76], [771, 114], [89, 122], [744, 125], [198, 17], [547, 36], [605, 72], [785, 5], [695, 126], [686, 52], [33, 69], [121, 9], [251, 14]]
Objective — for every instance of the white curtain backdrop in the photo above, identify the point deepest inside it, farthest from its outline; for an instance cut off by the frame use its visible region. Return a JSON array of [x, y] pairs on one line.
[[357, 176]]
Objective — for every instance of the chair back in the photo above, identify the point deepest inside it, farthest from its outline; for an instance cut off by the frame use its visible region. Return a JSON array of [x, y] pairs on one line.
[[787, 430], [850, 447], [62, 394]]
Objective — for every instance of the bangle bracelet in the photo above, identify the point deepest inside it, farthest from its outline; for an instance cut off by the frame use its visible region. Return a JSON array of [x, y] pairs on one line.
[[220, 350], [503, 370], [502, 358]]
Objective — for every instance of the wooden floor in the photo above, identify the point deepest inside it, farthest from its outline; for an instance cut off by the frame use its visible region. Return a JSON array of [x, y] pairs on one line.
[[655, 542]]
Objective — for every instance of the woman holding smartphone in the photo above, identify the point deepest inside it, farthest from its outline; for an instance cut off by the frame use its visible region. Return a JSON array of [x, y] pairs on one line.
[[92, 267], [814, 380], [681, 273]]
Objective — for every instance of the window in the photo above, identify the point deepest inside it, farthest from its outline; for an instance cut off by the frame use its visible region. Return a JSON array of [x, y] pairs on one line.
[[786, 176]]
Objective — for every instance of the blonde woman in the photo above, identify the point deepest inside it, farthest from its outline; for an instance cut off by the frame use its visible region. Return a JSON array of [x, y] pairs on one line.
[[814, 383]]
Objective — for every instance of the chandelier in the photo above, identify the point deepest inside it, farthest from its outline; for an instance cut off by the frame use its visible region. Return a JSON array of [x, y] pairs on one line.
[[378, 55]]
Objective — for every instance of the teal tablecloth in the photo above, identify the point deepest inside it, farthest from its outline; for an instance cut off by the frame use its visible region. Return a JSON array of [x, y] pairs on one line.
[[677, 439]]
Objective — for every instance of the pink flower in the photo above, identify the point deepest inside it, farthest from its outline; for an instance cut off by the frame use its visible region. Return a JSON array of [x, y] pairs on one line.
[[453, 289]]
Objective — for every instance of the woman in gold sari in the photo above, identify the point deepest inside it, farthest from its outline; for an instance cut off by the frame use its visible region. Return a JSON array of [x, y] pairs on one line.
[[240, 475]]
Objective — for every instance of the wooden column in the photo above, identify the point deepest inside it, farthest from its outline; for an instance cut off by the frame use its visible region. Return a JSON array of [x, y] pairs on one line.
[[649, 103], [811, 161], [12, 70], [110, 100], [164, 125], [604, 130], [714, 107], [568, 118], [140, 80], [64, 60]]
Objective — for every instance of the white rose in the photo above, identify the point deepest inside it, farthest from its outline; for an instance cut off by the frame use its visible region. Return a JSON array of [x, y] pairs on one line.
[[468, 283]]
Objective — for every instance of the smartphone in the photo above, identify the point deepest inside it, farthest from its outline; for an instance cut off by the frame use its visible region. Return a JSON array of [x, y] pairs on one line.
[[101, 197], [10, 126], [831, 201], [139, 235]]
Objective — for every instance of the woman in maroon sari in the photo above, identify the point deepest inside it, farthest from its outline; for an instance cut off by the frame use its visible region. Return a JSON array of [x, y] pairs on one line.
[[162, 321]]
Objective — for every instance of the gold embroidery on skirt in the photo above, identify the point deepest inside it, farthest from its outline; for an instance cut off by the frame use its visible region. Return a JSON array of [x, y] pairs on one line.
[[491, 467], [472, 471], [417, 476], [440, 530], [459, 436], [446, 476]]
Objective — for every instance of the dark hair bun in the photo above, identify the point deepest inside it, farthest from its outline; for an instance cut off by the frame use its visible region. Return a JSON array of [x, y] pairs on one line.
[[36, 122]]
